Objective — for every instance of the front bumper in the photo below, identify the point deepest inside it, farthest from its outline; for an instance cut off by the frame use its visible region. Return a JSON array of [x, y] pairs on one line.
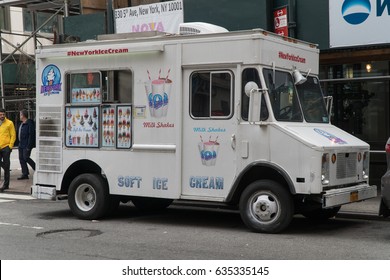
[[356, 193]]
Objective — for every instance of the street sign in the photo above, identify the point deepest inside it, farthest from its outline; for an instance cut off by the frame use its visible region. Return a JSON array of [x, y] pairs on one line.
[[280, 21]]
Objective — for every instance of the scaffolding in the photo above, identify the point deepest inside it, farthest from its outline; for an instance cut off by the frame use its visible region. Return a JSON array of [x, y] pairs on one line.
[[20, 93]]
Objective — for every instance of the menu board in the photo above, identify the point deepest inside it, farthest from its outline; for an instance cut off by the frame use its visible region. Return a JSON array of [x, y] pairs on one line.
[[124, 126], [82, 124], [86, 95], [108, 125]]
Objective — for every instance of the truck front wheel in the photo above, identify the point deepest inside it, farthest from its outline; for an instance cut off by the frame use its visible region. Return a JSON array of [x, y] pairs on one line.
[[88, 197], [266, 206]]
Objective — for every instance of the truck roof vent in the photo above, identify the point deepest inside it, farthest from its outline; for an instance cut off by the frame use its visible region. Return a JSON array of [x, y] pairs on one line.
[[191, 28]]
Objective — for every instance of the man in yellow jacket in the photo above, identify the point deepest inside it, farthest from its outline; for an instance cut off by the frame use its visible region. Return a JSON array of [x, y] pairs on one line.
[[7, 140]]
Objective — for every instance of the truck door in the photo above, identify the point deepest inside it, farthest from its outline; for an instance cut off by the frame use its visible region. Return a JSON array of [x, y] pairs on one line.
[[209, 127]]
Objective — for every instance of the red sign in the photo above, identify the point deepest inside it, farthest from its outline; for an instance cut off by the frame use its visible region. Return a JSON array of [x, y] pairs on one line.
[[280, 21]]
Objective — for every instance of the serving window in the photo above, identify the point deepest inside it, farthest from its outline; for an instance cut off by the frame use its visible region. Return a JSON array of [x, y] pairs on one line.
[[84, 88], [99, 110]]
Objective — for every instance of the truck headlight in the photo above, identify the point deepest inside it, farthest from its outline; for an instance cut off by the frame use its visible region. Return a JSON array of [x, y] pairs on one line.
[[325, 169], [366, 164]]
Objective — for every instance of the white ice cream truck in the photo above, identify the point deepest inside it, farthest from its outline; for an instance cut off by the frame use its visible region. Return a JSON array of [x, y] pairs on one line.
[[235, 118]]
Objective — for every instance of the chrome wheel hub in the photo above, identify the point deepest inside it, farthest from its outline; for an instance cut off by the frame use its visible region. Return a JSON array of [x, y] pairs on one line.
[[264, 207]]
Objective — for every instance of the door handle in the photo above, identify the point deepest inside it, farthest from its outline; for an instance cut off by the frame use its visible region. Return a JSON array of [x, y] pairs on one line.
[[233, 141]]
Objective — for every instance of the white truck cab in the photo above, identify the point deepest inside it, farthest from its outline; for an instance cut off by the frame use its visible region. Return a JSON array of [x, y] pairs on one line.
[[237, 118]]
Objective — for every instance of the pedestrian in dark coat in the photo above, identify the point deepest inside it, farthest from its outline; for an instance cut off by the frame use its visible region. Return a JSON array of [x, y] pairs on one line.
[[26, 143]]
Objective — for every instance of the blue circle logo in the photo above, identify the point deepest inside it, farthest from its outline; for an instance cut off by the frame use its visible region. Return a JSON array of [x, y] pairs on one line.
[[51, 80], [356, 11], [51, 75]]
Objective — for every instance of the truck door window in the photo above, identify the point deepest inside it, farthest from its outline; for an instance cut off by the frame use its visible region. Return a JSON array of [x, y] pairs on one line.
[[283, 97], [211, 94], [251, 75]]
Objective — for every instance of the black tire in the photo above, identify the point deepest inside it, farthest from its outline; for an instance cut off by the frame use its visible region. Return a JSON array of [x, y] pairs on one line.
[[88, 197], [151, 203], [266, 206], [321, 214]]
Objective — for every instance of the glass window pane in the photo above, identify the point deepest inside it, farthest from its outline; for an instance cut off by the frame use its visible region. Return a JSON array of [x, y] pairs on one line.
[[84, 87], [221, 94], [200, 94], [2, 18], [283, 97], [40, 19], [251, 75], [359, 107], [312, 101]]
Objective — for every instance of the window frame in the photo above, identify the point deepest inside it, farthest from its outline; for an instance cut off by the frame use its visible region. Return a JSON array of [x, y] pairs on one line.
[[211, 95], [295, 106]]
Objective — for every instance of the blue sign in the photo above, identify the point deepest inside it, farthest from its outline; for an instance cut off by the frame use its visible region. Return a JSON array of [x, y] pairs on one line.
[[356, 11], [51, 80], [358, 22]]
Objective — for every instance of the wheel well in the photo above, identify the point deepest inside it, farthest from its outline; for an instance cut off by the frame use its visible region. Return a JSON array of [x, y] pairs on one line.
[[258, 172], [77, 168]]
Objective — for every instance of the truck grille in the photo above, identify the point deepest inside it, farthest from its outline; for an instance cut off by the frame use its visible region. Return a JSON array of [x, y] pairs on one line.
[[346, 165], [49, 144]]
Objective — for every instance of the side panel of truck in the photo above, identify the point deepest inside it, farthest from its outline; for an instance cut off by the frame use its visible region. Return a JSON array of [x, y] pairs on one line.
[[209, 160]]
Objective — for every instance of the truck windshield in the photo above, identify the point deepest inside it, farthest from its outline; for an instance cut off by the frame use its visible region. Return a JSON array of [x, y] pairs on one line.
[[312, 101], [283, 97]]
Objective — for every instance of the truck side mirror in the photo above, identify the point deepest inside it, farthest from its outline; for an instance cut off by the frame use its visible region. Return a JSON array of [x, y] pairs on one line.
[[254, 93]]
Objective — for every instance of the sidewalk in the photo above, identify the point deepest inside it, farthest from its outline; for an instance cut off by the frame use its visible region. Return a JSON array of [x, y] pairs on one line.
[[19, 186], [368, 207]]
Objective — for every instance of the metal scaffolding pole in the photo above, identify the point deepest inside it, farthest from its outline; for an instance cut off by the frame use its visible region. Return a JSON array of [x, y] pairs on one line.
[[18, 48], [31, 35], [1, 74]]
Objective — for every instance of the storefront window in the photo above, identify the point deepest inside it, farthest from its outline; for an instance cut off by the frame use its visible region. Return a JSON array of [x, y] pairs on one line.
[[360, 100], [356, 70], [40, 19], [4, 18]]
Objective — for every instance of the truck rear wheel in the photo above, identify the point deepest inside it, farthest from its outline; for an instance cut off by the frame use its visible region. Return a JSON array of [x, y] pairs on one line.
[[266, 206], [151, 203], [88, 197]]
